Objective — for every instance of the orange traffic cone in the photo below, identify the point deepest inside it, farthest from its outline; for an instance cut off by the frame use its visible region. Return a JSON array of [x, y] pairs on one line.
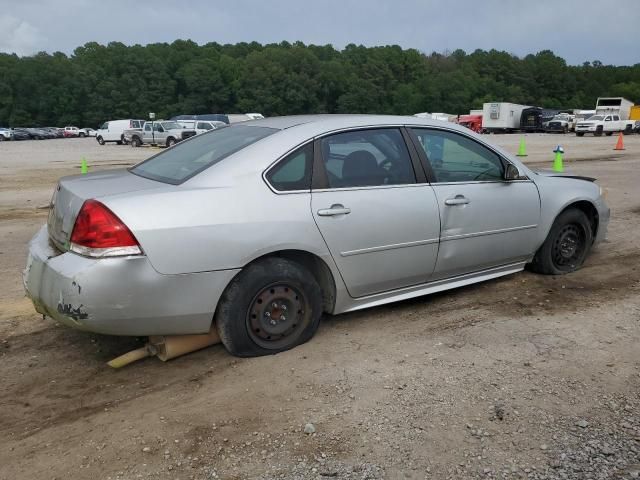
[[620, 144]]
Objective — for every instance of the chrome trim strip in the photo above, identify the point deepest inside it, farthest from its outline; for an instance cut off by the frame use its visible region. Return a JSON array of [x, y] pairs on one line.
[[488, 232], [389, 247]]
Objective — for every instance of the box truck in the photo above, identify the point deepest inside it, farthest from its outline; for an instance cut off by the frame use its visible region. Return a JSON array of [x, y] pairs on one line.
[[614, 106], [501, 117]]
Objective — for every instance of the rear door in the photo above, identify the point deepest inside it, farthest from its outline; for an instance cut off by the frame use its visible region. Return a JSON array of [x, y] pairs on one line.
[[486, 221], [375, 211]]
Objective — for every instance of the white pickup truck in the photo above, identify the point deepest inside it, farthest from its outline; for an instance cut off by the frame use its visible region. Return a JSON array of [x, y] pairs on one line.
[[607, 124], [160, 132]]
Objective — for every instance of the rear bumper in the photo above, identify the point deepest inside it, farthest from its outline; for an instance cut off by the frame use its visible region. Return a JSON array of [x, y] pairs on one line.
[[119, 296]]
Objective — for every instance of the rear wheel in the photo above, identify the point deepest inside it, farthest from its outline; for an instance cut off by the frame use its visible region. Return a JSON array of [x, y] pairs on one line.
[[566, 246], [135, 142], [271, 306], [81, 135], [100, 140], [171, 141]]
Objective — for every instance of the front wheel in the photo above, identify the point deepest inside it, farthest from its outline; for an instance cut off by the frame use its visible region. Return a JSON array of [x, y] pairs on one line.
[[81, 135], [579, 134], [271, 306], [100, 140], [171, 141], [566, 246]]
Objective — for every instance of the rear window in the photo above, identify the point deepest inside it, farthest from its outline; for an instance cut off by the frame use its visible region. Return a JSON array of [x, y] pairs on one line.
[[186, 159]]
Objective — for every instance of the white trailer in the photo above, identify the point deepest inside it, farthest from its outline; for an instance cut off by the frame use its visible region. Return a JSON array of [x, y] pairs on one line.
[[501, 117], [614, 106]]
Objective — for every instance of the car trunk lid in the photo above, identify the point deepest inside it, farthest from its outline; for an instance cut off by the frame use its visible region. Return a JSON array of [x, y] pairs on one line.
[[71, 192]]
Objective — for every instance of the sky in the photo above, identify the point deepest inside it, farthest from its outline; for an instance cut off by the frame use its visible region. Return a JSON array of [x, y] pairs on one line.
[[577, 30]]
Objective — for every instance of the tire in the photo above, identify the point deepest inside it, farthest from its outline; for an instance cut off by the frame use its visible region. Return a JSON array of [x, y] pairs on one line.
[[565, 130], [579, 134], [81, 135], [566, 246], [123, 141], [100, 140], [2, 139], [135, 142], [171, 141], [598, 132], [253, 309], [608, 134], [628, 130]]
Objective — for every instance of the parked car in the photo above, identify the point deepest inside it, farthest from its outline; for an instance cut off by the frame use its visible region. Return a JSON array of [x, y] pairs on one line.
[[261, 227], [113, 130], [37, 133], [563, 123], [472, 122], [71, 131], [201, 126], [607, 124], [52, 132], [161, 132], [87, 132], [636, 127], [5, 134], [20, 134]]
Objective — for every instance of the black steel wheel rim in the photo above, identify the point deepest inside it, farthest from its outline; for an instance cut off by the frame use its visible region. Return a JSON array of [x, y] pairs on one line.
[[569, 246], [277, 316]]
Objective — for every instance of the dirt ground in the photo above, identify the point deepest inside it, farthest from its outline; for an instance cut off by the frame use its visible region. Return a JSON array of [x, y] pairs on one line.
[[522, 377]]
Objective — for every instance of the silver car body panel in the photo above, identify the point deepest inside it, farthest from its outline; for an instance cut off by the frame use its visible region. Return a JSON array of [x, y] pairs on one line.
[[397, 242]]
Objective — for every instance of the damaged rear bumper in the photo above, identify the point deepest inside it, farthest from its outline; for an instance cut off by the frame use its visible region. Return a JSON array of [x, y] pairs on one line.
[[120, 295]]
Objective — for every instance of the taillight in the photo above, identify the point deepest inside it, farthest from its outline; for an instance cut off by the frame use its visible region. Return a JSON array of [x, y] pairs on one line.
[[98, 232]]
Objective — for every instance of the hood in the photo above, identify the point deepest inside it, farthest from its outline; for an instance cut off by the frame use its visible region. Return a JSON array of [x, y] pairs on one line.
[[551, 173]]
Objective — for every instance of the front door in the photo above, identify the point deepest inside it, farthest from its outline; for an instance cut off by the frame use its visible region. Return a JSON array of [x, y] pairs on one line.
[[486, 221], [380, 224]]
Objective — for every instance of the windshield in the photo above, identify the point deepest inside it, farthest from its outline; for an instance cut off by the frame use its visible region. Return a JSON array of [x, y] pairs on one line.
[[170, 125], [186, 159], [596, 117]]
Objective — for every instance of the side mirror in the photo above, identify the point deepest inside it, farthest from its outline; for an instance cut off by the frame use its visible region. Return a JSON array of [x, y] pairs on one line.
[[511, 172]]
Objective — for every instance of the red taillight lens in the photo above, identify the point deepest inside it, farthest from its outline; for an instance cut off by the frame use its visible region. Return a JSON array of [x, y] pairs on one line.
[[97, 227]]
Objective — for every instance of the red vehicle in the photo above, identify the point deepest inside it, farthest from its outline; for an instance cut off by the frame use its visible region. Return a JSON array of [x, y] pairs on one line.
[[472, 122]]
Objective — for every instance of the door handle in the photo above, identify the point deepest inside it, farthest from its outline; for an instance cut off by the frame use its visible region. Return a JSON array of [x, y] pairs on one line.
[[457, 200], [336, 209]]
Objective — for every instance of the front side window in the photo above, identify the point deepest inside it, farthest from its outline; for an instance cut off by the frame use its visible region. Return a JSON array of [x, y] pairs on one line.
[[147, 127], [294, 171], [457, 158], [186, 159], [204, 126], [367, 158], [105, 126]]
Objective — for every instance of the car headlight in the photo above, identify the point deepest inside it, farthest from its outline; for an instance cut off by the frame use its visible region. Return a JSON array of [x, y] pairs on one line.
[[603, 192]]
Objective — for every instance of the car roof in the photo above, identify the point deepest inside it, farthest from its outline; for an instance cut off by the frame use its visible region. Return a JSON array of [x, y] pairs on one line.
[[335, 121]]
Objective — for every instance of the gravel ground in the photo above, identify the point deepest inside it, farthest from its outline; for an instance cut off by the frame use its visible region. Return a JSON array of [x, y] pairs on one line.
[[524, 377]]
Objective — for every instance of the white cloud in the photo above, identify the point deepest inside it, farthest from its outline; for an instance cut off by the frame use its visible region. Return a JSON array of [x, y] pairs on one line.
[[19, 36]]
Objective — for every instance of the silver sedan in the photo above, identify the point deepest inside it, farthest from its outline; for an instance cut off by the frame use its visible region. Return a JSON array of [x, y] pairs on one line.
[[261, 227]]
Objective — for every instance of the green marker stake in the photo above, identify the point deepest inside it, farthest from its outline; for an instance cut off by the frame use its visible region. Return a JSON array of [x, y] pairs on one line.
[[83, 166]]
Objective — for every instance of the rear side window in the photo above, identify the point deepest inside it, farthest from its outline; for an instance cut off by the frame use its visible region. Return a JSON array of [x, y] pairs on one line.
[[294, 171], [188, 158], [366, 158]]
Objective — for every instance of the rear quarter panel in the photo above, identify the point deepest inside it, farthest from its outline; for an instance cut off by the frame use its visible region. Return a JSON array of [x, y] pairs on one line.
[[185, 230]]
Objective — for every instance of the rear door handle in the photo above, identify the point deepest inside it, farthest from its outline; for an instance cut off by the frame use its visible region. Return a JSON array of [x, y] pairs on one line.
[[457, 200], [336, 209]]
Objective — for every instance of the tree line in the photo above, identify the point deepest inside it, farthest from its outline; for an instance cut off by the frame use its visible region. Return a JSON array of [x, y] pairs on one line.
[[102, 82]]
